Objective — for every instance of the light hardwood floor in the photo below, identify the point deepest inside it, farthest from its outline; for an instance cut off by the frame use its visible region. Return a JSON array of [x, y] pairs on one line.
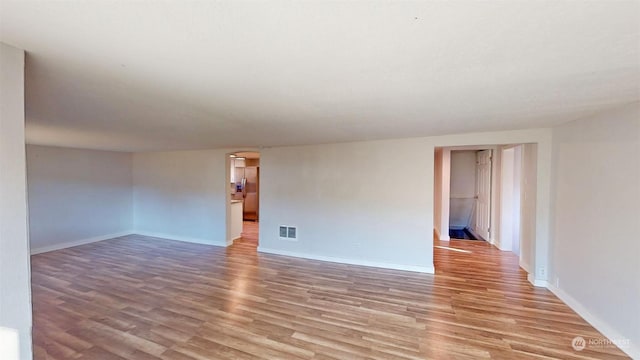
[[143, 298]]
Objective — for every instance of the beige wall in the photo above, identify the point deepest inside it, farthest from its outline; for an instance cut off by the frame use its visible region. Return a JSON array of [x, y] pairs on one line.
[[528, 206], [181, 195], [441, 193], [463, 173], [595, 252], [15, 286], [437, 192], [77, 196], [355, 199], [304, 186], [365, 203]]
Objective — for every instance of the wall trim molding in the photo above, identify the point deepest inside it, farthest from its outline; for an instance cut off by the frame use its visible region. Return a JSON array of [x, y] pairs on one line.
[[440, 237], [501, 247], [183, 238], [230, 241], [420, 269], [632, 350], [68, 244], [536, 282]]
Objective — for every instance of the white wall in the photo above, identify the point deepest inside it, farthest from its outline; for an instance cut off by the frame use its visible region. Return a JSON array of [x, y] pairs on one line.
[[510, 198], [463, 173], [528, 206], [507, 180], [445, 201], [595, 249], [517, 199], [305, 186], [437, 192], [181, 195], [77, 196], [367, 203], [463, 187], [15, 285], [442, 170]]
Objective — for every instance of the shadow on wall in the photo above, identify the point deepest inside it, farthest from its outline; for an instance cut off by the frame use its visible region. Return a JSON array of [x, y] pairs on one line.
[[461, 212]]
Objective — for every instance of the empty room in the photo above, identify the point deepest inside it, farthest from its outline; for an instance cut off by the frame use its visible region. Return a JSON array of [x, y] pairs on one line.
[[197, 180]]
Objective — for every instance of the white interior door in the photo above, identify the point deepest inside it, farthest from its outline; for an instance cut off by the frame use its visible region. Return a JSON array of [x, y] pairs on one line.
[[483, 194]]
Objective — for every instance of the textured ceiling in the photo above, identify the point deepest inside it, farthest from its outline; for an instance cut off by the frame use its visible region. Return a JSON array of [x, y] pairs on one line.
[[191, 75]]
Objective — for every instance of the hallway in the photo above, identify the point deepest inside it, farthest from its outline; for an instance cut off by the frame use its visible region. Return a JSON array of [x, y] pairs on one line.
[[249, 239]]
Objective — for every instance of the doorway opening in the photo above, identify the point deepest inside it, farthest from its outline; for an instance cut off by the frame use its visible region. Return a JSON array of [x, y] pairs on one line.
[[487, 192], [470, 194], [243, 205]]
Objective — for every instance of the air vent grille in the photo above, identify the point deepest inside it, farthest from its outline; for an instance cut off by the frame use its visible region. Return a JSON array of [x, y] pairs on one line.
[[283, 231], [288, 232]]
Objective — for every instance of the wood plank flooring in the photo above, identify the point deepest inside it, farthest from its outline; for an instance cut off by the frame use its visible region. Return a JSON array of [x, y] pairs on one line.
[[145, 298], [249, 239]]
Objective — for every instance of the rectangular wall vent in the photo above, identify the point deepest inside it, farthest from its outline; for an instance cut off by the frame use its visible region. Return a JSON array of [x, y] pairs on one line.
[[283, 231], [288, 232]]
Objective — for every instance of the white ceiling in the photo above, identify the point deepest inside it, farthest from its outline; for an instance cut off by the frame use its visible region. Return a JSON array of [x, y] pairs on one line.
[[186, 75]]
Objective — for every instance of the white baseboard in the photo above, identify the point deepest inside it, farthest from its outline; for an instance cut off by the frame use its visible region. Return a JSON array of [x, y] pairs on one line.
[[68, 244], [632, 349], [536, 282], [230, 242], [421, 269], [440, 237], [525, 266], [184, 238], [502, 248]]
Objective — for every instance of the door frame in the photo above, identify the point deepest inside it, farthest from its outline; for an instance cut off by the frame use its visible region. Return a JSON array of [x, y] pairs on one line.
[[489, 236], [538, 159], [441, 214], [496, 193], [227, 192]]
